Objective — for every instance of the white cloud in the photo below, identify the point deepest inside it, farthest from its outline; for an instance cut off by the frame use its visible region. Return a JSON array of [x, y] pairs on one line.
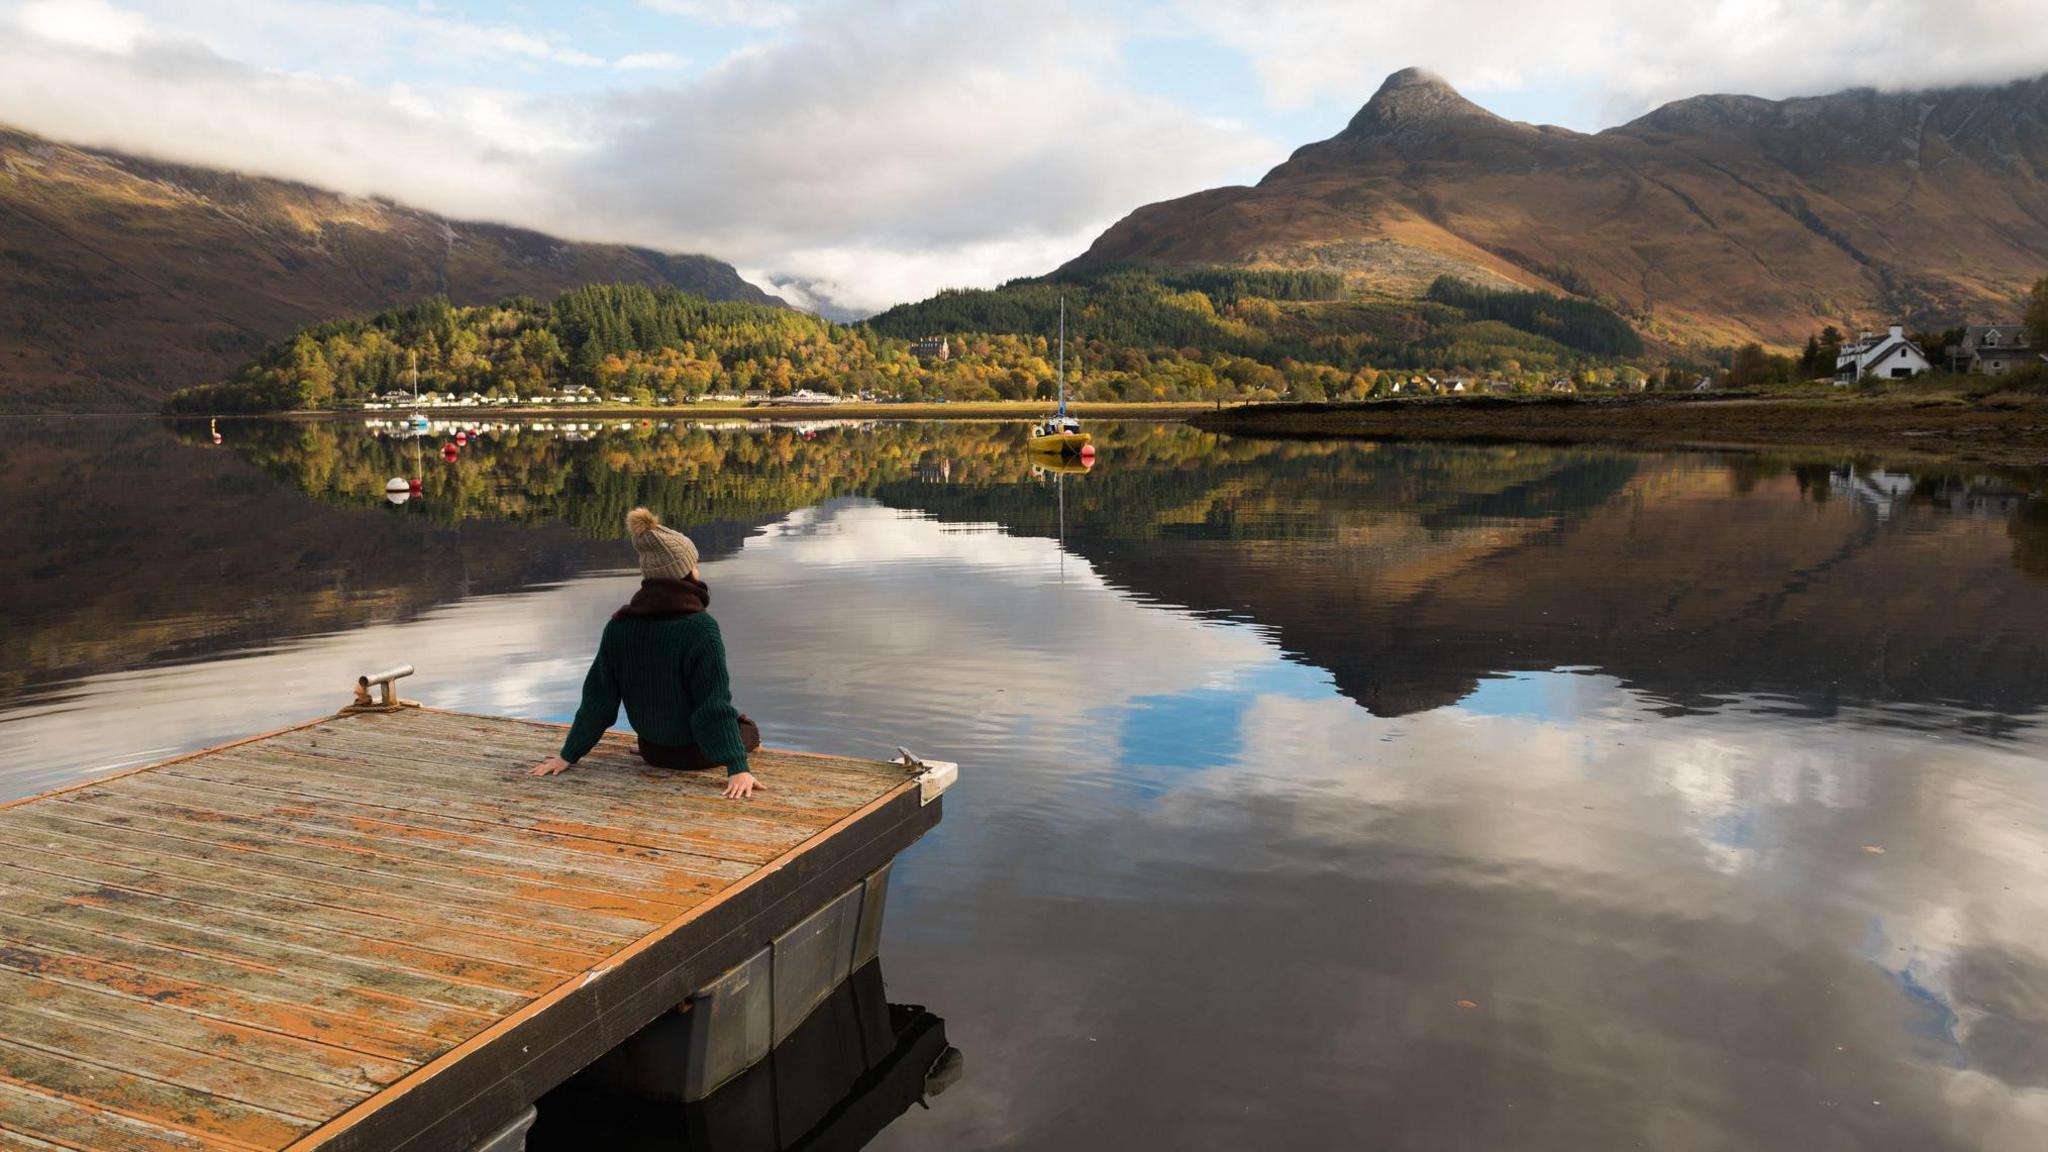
[[885, 155], [873, 152], [745, 13], [866, 152], [649, 62], [93, 24], [1627, 57]]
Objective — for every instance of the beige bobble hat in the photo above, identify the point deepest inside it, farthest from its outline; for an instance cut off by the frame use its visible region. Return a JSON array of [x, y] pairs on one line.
[[665, 554]]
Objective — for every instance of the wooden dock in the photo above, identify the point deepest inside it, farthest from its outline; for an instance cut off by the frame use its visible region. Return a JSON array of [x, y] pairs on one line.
[[375, 931]]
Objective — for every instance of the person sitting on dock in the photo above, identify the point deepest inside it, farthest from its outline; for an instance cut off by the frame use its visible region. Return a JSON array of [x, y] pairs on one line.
[[663, 656]]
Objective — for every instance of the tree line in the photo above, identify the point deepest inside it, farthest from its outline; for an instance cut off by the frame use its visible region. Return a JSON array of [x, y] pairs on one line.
[[1132, 335]]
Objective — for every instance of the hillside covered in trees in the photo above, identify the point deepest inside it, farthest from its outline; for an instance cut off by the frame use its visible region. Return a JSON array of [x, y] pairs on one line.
[[1132, 335]]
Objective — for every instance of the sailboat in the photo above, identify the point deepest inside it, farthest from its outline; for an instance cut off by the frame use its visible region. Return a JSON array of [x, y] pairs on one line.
[[1060, 434], [416, 422]]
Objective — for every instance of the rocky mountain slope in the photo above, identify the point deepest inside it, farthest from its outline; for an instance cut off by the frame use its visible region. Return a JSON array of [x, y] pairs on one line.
[[1713, 219], [124, 279]]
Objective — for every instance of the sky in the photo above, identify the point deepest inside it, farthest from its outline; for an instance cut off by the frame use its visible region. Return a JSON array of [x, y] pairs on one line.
[[860, 153]]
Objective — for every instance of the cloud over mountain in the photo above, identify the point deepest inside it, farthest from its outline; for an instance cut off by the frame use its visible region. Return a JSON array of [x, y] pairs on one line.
[[874, 150]]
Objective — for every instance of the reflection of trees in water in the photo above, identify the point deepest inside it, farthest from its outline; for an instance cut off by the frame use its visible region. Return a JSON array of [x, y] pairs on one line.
[[1409, 570], [1290, 490], [2029, 531], [1412, 572], [692, 474]]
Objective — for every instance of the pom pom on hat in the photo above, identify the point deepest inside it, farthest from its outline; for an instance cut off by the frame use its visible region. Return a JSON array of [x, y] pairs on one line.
[[640, 521]]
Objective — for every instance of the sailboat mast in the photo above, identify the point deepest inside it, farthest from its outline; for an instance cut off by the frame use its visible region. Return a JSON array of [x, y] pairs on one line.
[[1063, 356]]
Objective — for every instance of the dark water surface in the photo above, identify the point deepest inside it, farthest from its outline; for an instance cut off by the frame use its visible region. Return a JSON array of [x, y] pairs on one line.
[[1313, 795]]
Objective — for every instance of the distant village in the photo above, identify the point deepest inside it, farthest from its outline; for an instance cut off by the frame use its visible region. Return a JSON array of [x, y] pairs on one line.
[[1985, 349], [574, 394]]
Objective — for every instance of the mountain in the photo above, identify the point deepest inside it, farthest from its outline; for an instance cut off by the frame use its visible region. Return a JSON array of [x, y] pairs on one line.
[[1711, 220], [124, 279]]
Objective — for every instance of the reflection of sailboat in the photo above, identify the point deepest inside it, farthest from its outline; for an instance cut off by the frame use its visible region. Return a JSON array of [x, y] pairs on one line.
[[1060, 432], [1059, 468], [416, 422], [1043, 463]]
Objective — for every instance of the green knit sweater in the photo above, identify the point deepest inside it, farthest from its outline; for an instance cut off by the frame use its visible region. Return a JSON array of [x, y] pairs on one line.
[[671, 676]]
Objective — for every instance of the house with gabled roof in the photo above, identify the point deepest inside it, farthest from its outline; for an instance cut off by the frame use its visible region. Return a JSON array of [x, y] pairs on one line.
[[1995, 349], [1885, 357]]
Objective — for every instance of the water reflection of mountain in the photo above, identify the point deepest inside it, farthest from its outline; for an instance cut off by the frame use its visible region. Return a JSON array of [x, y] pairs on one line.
[[128, 548], [1412, 572]]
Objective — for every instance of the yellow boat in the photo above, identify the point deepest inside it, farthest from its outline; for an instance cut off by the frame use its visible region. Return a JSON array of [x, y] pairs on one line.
[[1059, 433]]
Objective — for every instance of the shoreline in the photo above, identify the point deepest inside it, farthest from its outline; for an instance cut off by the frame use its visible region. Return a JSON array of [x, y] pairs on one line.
[[957, 410], [2012, 431]]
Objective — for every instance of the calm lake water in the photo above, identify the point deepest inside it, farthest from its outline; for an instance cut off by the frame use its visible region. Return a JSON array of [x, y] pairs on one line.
[[1313, 795]]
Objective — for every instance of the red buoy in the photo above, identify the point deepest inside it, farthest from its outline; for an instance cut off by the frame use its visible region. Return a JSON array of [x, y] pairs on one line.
[[449, 452]]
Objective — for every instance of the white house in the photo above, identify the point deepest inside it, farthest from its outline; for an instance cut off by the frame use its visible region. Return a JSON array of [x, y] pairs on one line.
[[1995, 349], [802, 397], [1887, 357]]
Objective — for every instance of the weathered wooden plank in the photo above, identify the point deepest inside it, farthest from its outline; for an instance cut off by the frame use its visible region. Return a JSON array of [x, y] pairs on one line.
[[337, 1029], [265, 817], [288, 908], [316, 968], [396, 915], [603, 914], [202, 1072], [551, 733], [85, 824], [791, 799], [172, 1106], [403, 954], [662, 804], [529, 808], [71, 1124], [800, 790], [18, 1142], [484, 745], [220, 783], [441, 831], [142, 1020], [247, 979]]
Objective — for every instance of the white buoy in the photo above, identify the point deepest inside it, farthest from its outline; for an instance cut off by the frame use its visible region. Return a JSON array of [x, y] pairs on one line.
[[398, 489]]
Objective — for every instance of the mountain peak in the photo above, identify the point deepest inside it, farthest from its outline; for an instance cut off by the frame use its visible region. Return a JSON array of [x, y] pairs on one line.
[[1411, 98]]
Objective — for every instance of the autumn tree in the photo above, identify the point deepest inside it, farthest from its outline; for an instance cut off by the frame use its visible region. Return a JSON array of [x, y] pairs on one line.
[[2036, 315]]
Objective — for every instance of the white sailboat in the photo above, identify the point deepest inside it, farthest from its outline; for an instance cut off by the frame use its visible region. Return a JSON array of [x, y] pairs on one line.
[[416, 422], [1060, 434]]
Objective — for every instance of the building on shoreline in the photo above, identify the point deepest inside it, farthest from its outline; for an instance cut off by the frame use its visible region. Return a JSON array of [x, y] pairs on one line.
[[803, 398], [1889, 356], [1995, 349]]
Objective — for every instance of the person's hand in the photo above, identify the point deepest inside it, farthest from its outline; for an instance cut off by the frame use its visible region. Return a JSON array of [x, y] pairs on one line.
[[741, 785], [550, 767]]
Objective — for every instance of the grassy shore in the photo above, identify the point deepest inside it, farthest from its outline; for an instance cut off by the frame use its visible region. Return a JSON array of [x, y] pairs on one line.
[[2001, 428], [955, 410]]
